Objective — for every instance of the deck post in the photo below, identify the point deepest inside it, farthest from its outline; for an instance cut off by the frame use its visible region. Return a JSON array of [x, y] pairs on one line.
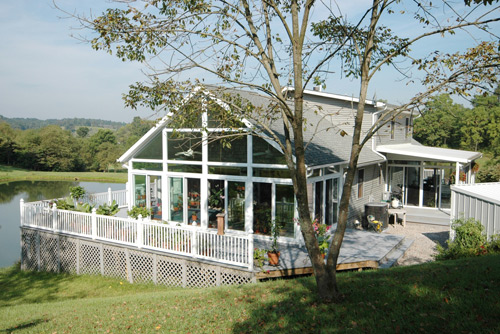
[[54, 217], [140, 242], [250, 251], [194, 244], [21, 207], [109, 196], [94, 223]]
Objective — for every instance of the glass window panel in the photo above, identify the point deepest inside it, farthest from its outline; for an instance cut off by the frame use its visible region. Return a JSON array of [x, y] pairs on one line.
[[176, 199], [189, 115], [216, 201], [184, 146], [155, 196], [223, 170], [332, 193], [262, 208], [272, 173], [236, 206], [153, 149], [318, 201], [361, 180], [140, 190], [285, 208], [220, 152], [193, 201], [265, 153], [412, 185], [184, 168], [147, 166]]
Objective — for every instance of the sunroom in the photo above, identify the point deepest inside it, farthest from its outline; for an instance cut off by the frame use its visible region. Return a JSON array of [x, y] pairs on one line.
[[190, 175]]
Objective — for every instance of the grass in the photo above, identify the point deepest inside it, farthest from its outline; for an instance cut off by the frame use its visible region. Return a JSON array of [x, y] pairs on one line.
[[10, 174], [458, 296]]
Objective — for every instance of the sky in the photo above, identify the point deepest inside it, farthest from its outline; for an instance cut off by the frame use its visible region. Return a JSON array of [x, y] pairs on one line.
[[47, 73]]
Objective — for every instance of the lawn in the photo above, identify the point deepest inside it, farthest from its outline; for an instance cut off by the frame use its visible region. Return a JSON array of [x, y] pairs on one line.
[[443, 297], [10, 174]]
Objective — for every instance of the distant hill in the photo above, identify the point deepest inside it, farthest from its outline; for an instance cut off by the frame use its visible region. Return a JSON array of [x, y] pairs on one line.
[[66, 123]]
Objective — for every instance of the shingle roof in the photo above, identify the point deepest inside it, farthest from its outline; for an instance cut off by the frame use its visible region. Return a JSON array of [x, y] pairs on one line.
[[325, 144]]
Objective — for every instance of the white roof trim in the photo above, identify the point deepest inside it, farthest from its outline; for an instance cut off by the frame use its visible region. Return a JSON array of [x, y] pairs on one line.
[[489, 192], [429, 153], [339, 97]]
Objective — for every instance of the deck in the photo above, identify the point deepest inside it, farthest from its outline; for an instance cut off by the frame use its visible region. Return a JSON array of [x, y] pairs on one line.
[[430, 216], [360, 249]]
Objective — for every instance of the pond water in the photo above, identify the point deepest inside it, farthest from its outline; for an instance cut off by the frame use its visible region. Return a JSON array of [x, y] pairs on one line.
[[10, 195]]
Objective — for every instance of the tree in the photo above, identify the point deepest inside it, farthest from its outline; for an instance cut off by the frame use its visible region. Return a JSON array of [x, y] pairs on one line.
[[7, 144], [440, 123], [268, 46], [82, 131], [101, 149]]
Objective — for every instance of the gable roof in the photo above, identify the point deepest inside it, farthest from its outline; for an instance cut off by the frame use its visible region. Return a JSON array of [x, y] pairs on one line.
[[324, 143]]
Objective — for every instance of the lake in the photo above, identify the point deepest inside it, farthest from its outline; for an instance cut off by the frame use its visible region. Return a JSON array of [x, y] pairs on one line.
[[10, 195]]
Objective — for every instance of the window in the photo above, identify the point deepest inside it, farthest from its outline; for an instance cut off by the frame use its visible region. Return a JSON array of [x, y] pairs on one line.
[[392, 129], [361, 179]]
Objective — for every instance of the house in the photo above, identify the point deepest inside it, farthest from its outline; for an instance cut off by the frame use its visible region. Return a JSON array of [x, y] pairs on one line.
[[187, 176]]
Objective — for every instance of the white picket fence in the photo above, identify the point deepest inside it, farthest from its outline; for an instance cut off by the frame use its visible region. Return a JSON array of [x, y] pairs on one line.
[[182, 240]]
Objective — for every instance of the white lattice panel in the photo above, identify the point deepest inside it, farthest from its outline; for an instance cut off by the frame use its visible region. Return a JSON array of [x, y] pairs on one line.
[[49, 255], [234, 278], [200, 276], [169, 272], [28, 250], [115, 262], [141, 264], [145, 266], [67, 253], [90, 259]]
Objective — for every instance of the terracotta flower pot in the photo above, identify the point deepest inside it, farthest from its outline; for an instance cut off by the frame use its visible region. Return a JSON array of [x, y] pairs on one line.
[[273, 258]]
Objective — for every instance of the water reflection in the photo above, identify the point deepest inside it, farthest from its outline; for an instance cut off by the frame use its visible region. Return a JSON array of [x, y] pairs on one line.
[[10, 195], [35, 190]]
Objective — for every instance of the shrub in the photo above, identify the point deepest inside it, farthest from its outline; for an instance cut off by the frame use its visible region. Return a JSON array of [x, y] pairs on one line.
[[108, 210], [138, 210], [77, 192], [469, 240]]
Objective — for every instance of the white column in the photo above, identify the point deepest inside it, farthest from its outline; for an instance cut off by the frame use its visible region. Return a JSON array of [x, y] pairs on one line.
[[54, 217], [139, 240], [94, 223], [21, 208], [457, 173], [249, 189]]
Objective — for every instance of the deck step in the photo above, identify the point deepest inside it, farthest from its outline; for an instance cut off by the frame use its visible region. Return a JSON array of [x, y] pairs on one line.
[[432, 220], [396, 253]]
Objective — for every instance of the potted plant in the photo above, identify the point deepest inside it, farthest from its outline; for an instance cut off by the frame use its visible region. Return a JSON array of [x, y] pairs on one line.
[[273, 254]]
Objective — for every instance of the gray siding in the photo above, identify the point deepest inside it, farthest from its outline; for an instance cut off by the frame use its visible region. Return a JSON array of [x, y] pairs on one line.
[[373, 188], [469, 206], [341, 113], [401, 133]]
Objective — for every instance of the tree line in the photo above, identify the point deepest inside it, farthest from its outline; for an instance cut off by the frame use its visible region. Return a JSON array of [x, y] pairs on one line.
[[451, 125], [52, 148], [66, 123]]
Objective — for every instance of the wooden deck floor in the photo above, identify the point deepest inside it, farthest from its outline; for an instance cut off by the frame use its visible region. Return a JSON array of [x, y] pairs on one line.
[[360, 249]]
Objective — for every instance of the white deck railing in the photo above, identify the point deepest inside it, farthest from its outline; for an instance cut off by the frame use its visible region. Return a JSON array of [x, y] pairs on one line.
[[120, 196], [182, 240]]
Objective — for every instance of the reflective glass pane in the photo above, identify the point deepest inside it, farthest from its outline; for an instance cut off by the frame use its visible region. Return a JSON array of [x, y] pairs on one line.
[[184, 146], [230, 149], [193, 199], [236, 206], [184, 168], [176, 199], [216, 201], [318, 201], [153, 149], [155, 196], [265, 153], [140, 190], [262, 208], [272, 173], [224, 170], [285, 208], [147, 166]]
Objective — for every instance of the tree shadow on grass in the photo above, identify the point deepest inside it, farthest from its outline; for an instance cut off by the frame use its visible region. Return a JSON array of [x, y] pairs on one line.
[[21, 326], [443, 297], [17, 286]]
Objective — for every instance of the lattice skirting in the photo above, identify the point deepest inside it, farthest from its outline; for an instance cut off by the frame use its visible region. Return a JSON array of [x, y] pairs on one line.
[[46, 251]]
